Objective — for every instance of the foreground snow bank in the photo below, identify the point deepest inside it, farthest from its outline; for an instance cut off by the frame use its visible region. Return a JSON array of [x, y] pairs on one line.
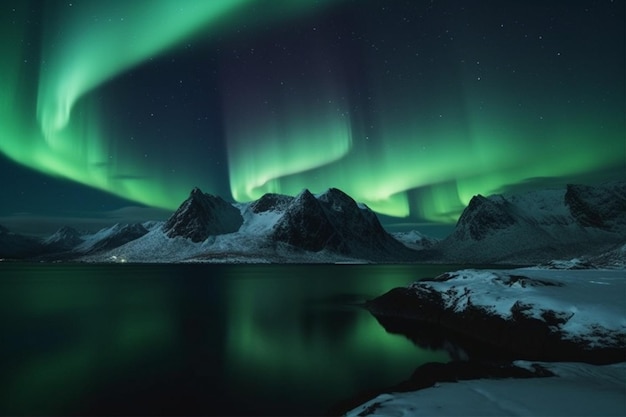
[[578, 389], [535, 314]]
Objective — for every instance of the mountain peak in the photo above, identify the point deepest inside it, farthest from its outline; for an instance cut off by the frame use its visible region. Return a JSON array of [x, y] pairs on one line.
[[538, 225], [64, 238], [335, 222], [483, 215], [196, 192], [203, 215]]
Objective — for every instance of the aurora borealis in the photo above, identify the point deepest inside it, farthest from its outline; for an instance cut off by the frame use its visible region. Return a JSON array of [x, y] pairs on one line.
[[411, 107]]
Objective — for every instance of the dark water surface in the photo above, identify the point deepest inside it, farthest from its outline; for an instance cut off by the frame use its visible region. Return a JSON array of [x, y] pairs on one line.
[[196, 339]]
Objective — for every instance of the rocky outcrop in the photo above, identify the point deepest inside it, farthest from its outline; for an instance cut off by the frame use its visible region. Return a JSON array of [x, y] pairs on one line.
[[525, 331], [203, 215]]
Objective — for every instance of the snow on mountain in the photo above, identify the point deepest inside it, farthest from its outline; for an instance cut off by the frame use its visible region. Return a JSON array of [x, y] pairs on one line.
[[110, 237], [65, 238], [330, 227], [577, 389], [413, 239], [613, 259], [203, 215], [539, 225]]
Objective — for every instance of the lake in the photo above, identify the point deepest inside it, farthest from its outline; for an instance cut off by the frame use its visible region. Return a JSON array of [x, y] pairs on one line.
[[80, 339]]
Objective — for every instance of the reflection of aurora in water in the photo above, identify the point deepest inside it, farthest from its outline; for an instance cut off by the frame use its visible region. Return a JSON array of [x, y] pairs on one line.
[[409, 108], [113, 339]]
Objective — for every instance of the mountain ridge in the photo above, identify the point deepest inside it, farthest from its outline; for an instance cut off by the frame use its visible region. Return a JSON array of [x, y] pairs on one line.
[[576, 221]]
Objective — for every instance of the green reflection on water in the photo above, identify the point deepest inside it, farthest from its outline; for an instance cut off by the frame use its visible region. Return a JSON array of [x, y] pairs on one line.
[[70, 326], [266, 334]]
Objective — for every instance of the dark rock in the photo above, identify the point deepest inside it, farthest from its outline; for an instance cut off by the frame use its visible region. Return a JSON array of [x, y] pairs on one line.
[[271, 202], [203, 215], [599, 206], [305, 225], [520, 337], [483, 216]]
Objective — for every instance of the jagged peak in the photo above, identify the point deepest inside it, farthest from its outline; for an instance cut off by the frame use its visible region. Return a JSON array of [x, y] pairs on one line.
[[196, 192], [305, 193]]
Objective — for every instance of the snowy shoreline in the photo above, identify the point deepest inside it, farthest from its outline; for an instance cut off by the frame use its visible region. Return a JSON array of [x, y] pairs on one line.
[[570, 322]]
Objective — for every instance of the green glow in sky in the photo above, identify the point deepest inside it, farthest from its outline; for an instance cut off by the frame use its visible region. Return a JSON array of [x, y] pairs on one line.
[[333, 108], [272, 144], [84, 46]]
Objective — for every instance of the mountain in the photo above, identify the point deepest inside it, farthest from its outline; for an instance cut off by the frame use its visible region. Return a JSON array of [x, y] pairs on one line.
[[203, 215], [329, 227], [539, 225], [14, 245], [110, 238], [415, 240], [574, 222], [66, 238], [333, 221]]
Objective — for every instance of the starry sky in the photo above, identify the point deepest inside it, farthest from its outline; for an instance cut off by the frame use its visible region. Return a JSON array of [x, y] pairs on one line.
[[113, 111]]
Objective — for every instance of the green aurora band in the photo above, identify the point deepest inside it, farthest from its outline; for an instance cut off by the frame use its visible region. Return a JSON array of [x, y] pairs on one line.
[[412, 156]]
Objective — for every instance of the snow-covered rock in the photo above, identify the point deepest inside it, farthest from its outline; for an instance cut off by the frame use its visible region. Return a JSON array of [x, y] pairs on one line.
[[534, 314], [614, 258], [540, 225]]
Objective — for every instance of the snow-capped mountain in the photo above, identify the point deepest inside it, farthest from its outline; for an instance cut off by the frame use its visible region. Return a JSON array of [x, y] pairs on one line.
[[203, 215], [66, 238], [536, 227], [333, 221], [329, 227], [540, 225], [110, 238]]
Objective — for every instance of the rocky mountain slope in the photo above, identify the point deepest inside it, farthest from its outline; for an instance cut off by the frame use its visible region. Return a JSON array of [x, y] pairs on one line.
[[203, 215], [540, 225], [333, 221]]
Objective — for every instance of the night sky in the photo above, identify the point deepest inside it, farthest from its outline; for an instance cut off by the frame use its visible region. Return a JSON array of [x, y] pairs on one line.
[[114, 110]]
